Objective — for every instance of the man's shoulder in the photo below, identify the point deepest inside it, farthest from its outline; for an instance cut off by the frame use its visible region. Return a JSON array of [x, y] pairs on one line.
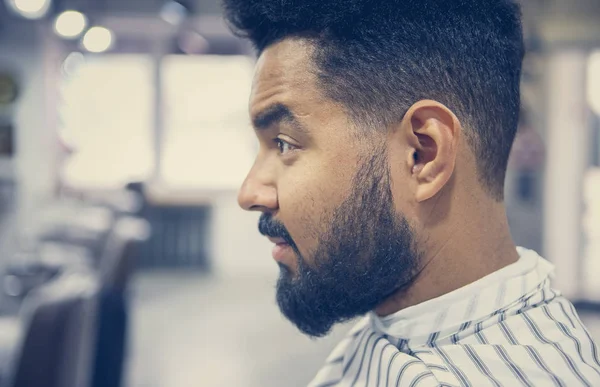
[[541, 343], [546, 343], [552, 320]]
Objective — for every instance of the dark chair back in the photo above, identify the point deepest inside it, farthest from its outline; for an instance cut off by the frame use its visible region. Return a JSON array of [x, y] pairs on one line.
[[115, 265], [59, 326]]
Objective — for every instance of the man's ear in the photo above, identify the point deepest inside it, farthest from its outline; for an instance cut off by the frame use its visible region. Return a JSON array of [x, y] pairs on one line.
[[433, 133]]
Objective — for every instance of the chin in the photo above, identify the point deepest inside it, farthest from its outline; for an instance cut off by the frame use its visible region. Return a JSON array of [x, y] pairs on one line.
[[286, 273]]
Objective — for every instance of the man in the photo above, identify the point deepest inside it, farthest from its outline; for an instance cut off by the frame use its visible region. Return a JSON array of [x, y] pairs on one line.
[[385, 128]]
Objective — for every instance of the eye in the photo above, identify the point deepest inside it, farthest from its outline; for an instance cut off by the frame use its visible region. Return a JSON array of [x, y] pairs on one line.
[[284, 146]]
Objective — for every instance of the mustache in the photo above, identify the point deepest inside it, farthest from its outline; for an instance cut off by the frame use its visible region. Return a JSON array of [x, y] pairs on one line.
[[270, 227]]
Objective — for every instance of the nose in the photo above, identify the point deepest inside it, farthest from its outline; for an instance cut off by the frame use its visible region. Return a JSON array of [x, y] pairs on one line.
[[258, 193]]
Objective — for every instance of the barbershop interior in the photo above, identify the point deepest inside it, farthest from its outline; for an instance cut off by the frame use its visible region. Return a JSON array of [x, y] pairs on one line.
[[125, 259]]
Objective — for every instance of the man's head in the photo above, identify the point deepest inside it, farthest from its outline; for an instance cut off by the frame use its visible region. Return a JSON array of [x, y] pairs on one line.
[[368, 112]]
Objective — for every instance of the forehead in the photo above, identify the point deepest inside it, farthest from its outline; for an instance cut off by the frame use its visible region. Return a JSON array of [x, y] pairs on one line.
[[284, 75]]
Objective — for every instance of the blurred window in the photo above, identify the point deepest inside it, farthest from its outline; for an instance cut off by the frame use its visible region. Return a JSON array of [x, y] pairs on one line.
[[107, 118], [207, 142]]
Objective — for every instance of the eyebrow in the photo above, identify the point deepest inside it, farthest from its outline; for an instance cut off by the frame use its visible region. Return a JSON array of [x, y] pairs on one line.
[[276, 114]]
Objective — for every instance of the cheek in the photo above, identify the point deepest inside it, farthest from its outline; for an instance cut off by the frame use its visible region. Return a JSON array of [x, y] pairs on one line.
[[307, 198], [300, 206]]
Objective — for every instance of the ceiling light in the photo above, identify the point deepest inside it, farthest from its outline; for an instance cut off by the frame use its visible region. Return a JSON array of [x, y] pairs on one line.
[[173, 12], [98, 39], [30, 9], [70, 24]]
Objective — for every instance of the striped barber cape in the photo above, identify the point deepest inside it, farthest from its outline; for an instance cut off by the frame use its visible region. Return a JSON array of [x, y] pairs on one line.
[[509, 328]]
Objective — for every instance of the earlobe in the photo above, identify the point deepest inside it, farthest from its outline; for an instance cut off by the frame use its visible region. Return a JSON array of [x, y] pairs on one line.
[[434, 134]]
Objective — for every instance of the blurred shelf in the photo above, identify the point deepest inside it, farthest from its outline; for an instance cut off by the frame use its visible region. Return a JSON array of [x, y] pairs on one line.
[[160, 194]]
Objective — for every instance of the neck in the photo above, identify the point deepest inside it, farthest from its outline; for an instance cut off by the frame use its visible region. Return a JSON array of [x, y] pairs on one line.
[[465, 252]]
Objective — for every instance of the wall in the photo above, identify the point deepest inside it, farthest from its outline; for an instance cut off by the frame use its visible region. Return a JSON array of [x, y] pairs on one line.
[[567, 137], [24, 49]]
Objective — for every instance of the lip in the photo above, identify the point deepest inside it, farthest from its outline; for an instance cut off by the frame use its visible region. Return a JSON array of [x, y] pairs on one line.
[[282, 251], [278, 241]]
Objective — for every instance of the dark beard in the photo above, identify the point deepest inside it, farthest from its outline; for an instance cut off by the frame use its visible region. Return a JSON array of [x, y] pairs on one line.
[[366, 254]]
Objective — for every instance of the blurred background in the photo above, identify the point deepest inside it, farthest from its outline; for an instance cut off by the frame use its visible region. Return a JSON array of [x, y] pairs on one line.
[[124, 136]]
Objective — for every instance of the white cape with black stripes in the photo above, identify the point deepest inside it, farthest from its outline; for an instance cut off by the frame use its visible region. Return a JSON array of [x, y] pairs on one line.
[[507, 329]]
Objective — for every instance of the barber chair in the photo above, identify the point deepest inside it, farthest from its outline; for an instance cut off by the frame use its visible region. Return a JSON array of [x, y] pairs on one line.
[[57, 337], [83, 227], [115, 269]]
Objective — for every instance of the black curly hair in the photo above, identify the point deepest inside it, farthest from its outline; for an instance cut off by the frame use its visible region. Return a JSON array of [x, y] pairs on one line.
[[378, 57]]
